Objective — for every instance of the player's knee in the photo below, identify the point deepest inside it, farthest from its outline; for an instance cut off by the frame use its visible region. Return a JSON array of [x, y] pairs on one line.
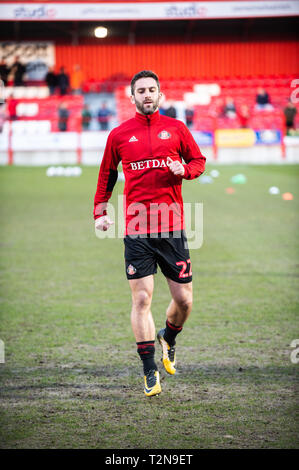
[[142, 300], [185, 304]]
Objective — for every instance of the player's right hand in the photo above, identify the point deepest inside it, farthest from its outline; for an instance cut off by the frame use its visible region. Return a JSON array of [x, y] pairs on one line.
[[103, 223]]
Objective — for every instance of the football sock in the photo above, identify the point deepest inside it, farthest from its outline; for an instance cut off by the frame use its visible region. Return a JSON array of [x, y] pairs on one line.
[[146, 351], [170, 333]]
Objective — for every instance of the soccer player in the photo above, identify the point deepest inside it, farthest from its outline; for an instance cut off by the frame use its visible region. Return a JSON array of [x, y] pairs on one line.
[[152, 149]]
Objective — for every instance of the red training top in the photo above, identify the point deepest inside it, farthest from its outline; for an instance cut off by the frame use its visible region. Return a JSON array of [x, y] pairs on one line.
[[143, 145]]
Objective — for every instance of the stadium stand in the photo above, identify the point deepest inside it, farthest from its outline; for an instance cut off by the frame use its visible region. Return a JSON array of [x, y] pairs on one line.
[[208, 115], [200, 63], [29, 111], [206, 97]]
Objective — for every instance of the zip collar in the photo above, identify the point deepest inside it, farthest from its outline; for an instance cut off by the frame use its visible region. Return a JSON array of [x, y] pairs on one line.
[[149, 119]]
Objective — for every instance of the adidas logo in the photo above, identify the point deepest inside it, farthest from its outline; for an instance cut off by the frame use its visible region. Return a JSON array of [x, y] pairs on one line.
[[133, 139]]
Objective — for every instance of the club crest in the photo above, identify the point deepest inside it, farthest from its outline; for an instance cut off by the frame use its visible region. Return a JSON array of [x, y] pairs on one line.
[[131, 270], [164, 135]]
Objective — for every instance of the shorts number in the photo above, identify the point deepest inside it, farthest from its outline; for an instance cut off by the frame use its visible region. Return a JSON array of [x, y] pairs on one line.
[[183, 273]]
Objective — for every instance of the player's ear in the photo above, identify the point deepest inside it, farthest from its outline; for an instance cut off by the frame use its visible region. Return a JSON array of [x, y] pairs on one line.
[[132, 99]]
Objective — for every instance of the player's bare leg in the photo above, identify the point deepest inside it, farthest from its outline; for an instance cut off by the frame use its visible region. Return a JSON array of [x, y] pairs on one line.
[[177, 313], [144, 330], [180, 306], [141, 315]]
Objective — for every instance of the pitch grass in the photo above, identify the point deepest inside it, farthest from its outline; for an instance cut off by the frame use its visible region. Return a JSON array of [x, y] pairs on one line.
[[72, 378]]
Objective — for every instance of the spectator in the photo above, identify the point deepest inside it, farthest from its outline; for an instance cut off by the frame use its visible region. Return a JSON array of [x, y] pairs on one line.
[[189, 116], [290, 112], [12, 108], [4, 71], [86, 118], [51, 80], [218, 106], [18, 71], [104, 115], [263, 101], [229, 109], [244, 116], [170, 111], [63, 81], [76, 79], [63, 115]]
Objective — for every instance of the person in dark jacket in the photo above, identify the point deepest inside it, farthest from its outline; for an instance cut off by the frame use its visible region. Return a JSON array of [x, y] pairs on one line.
[[4, 71], [263, 100], [63, 115], [18, 70], [189, 116], [51, 80], [63, 81], [104, 116], [170, 111], [290, 112], [86, 118]]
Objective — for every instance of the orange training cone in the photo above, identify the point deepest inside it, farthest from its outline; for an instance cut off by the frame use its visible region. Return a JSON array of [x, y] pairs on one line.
[[230, 190], [287, 196]]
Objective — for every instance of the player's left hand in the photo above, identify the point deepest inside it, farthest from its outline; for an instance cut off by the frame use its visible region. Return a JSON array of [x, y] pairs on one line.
[[176, 167]]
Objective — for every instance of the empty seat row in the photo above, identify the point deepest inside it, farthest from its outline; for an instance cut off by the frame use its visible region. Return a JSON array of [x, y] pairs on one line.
[[20, 92]]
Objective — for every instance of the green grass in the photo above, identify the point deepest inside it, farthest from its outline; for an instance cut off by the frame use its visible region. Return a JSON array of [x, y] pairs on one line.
[[72, 378]]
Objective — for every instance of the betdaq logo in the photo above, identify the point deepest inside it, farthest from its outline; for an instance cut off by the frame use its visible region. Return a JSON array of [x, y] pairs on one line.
[[145, 164], [35, 13]]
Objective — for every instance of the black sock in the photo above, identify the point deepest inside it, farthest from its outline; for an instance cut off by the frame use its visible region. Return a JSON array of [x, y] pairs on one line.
[[170, 333], [146, 351]]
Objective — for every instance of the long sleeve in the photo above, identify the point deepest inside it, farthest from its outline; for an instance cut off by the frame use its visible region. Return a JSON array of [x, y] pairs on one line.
[[107, 177], [191, 154]]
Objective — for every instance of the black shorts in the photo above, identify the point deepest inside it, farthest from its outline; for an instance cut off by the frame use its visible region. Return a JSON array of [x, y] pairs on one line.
[[142, 255]]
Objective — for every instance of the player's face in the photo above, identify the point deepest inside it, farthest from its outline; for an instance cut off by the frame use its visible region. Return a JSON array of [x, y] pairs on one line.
[[146, 95]]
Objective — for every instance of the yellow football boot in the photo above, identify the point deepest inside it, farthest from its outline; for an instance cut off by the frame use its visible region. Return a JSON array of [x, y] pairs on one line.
[[152, 383], [168, 353]]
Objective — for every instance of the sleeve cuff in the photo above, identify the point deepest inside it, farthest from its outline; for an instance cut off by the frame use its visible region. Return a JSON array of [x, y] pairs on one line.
[[100, 215], [186, 175]]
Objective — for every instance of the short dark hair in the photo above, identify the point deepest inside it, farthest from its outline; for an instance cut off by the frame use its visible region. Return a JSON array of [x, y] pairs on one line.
[[144, 74]]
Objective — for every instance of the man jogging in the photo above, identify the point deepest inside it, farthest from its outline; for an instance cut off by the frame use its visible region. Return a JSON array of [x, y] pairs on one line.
[[151, 148]]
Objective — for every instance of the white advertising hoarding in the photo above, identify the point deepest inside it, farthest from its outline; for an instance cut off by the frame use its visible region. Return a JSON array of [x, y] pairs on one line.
[[146, 10]]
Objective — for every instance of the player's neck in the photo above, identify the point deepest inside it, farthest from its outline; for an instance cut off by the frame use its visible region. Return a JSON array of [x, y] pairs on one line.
[[145, 118]]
